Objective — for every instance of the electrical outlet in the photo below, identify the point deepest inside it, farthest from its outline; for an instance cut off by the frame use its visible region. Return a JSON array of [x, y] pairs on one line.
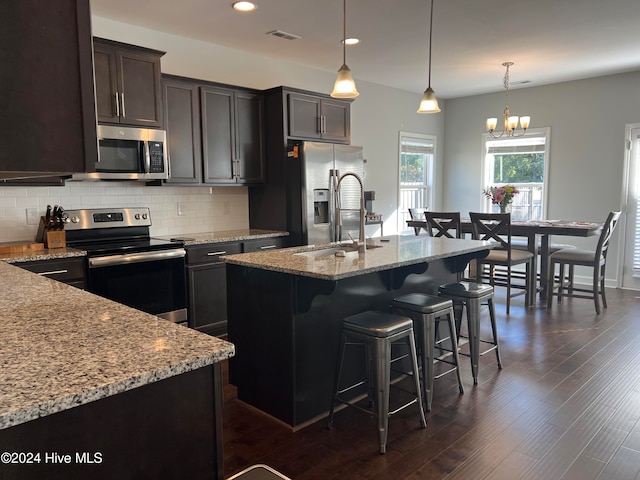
[[33, 216]]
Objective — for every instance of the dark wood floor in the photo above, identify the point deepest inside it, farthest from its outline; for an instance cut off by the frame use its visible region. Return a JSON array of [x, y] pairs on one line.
[[565, 406]]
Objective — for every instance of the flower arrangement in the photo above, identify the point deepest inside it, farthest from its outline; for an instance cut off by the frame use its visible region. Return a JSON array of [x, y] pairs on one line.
[[501, 196]]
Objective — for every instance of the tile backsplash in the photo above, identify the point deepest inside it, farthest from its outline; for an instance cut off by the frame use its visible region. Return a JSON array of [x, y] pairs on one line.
[[174, 210]]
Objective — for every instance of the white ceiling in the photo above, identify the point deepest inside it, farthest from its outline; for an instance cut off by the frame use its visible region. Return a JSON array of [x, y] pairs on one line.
[[549, 41]]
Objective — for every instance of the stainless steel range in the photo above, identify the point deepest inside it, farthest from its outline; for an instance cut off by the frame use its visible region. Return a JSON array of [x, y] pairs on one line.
[[125, 264]]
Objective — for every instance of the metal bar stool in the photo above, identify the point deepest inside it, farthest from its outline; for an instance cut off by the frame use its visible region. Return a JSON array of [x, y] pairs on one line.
[[427, 312], [378, 331], [472, 295]]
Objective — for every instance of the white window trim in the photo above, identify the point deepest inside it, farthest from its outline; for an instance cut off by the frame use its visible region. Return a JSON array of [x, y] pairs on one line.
[[546, 131], [430, 173]]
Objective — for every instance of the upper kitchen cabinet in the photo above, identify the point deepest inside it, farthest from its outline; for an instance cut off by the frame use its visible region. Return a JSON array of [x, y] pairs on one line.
[[47, 112], [232, 143], [310, 116], [182, 121], [127, 84]]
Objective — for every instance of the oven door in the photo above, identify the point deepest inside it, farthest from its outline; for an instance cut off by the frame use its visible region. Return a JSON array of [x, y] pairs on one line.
[[154, 282]]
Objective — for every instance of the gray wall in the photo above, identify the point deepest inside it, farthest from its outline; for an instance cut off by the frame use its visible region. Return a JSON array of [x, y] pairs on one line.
[[587, 120]]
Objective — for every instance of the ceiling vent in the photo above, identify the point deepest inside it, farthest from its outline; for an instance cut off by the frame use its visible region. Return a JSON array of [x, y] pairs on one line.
[[285, 35]]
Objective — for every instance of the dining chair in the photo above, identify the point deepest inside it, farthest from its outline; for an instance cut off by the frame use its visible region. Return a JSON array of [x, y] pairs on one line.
[[443, 224], [417, 214], [496, 227], [572, 257]]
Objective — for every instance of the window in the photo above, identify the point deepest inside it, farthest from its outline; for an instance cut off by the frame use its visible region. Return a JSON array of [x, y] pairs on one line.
[[522, 162], [417, 153]]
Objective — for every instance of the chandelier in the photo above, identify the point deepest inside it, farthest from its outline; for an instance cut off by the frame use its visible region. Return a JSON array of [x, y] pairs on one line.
[[510, 121]]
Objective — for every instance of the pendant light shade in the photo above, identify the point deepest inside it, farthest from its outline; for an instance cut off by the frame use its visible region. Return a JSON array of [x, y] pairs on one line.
[[344, 87], [429, 102]]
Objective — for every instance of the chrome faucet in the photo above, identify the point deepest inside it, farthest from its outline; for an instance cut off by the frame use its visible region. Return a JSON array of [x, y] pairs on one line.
[[362, 247]]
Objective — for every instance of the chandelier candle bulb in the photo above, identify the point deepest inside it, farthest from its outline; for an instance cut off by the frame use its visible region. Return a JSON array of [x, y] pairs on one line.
[[491, 124], [524, 122]]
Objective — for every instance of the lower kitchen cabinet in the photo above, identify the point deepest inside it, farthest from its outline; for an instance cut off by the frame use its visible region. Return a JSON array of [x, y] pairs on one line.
[[67, 270], [207, 286], [263, 244], [207, 280]]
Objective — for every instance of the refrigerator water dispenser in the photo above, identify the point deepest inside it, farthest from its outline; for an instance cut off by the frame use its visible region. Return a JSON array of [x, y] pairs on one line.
[[320, 206]]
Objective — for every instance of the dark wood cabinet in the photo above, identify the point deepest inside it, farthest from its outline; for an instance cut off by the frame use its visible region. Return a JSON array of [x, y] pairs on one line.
[[47, 113], [264, 244], [67, 270], [207, 286], [232, 145], [318, 118], [127, 84], [182, 123], [214, 132]]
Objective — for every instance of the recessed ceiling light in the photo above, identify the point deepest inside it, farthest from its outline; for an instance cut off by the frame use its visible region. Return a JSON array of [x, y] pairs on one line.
[[244, 6], [351, 41]]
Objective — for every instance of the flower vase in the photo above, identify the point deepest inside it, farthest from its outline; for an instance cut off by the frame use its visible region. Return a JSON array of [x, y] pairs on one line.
[[505, 208]]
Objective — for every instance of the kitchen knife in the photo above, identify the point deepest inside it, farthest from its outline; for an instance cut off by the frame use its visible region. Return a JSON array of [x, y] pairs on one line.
[[61, 217], [55, 217], [47, 217]]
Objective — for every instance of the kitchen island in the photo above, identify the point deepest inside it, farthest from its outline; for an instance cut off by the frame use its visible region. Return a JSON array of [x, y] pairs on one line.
[[285, 310], [93, 389]]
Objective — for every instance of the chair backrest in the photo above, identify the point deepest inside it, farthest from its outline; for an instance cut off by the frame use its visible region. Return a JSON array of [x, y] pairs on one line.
[[417, 213], [443, 224], [492, 227], [605, 236]]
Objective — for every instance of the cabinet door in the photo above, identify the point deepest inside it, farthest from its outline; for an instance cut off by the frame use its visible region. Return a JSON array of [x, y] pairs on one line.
[[47, 111], [107, 101], [208, 298], [217, 112], [249, 141], [337, 120], [139, 85], [304, 116], [182, 122]]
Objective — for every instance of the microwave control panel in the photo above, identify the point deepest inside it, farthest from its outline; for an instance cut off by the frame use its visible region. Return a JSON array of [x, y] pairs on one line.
[[156, 157]]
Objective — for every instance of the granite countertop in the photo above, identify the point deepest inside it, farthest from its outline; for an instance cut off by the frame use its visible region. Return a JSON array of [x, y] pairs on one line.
[[46, 254], [320, 261], [63, 347], [224, 236]]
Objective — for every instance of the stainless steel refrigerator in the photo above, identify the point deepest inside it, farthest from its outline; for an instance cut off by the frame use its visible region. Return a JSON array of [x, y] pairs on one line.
[[321, 167], [299, 193]]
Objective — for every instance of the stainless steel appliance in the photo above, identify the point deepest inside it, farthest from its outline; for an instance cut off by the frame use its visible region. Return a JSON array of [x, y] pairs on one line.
[[313, 172], [129, 153], [128, 266]]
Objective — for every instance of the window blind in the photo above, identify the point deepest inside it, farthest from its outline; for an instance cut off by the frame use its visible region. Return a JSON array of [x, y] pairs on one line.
[[635, 197]]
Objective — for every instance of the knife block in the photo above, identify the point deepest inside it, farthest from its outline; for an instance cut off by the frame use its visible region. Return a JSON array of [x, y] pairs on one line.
[[51, 238]]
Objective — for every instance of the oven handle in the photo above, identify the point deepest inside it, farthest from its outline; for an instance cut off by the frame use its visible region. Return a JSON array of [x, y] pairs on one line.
[[111, 260]]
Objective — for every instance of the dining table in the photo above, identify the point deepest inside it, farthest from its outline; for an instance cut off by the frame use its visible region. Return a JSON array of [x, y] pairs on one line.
[[533, 230]]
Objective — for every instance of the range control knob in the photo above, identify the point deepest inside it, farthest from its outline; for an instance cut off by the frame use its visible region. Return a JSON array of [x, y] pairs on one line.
[[75, 219], [144, 215], [137, 216]]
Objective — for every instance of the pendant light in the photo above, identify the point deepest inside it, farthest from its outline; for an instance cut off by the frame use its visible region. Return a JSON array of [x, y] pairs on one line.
[[344, 87], [429, 102]]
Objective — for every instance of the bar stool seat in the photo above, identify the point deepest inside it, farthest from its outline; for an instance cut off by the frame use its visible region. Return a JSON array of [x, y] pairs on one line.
[[378, 331], [427, 311], [472, 295]]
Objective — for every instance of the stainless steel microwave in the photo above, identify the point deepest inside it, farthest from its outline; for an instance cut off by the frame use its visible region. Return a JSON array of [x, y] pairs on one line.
[[129, 153]]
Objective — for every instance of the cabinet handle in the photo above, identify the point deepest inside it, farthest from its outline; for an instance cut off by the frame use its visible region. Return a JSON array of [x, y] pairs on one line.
[[117, 104], [54, 272], [238, 169], [268, 247], [212, 254], [324, 124], [123, 111]]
